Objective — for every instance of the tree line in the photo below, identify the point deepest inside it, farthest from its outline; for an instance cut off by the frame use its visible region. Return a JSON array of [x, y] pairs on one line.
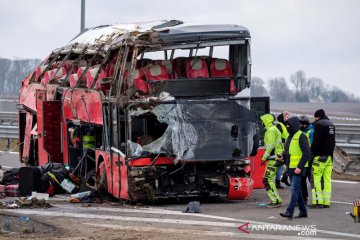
[[299, 89]]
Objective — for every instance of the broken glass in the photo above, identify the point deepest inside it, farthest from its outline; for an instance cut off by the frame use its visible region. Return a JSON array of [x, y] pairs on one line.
[[201, 130]]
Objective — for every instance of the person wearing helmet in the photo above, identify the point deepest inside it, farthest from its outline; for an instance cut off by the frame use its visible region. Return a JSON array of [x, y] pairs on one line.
[[284, 135], [307, 128], [273, 156]]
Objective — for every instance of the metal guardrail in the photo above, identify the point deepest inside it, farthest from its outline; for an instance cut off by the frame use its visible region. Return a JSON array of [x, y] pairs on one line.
[[347, 135], [9, 132], [11, 117], [348, 138], [350, 149]]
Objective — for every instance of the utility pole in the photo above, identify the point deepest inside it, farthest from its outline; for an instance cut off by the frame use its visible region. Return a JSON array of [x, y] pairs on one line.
[[82, 26]]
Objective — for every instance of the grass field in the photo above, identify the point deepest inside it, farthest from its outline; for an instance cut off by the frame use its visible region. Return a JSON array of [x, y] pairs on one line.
[[13, 145], [338, 112]]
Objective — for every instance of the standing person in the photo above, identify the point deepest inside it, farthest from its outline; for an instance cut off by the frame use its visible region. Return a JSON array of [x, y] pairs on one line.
[[307, 128], [297, 155], [322, 149], [284, 135], [273, 154]]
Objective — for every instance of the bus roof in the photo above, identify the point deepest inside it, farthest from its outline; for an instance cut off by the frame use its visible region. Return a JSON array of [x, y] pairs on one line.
[[159, 32]]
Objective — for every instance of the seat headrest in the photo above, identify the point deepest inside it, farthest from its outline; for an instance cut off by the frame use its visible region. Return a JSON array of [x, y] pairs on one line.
[[220, 64], [196, 64], [155, 70]]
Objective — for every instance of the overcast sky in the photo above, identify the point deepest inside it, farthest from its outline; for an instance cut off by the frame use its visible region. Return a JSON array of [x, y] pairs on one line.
[[320, 37]]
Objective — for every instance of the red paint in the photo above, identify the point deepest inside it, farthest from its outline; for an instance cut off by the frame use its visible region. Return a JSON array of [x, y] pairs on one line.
[[147, 161], [240, 188], [117, 179], [42, 154], [27, 137], [65, 143], [52, 130], [257, 170], [83, 105], [27, 95]]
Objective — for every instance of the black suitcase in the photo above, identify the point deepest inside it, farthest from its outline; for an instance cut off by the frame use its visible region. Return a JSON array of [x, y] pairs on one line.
[[29, 180]]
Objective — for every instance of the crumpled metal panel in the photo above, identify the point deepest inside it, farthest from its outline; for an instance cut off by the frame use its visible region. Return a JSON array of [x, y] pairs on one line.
[[202, 130]]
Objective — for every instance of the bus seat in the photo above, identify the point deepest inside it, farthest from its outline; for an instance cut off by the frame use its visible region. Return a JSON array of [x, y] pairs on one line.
[[222, 68], [196, 68]]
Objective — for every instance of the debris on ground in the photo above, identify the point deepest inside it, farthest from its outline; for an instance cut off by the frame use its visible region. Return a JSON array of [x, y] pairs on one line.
[[11, 225], [30, 202], [192, 207]]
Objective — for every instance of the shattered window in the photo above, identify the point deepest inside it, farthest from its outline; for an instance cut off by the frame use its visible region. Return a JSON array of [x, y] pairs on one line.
[[195, 130]]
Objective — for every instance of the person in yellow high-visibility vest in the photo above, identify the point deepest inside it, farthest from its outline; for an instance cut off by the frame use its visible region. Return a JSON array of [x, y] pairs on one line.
[[297, 156], [88, 138], [322, 149], [273, 156]]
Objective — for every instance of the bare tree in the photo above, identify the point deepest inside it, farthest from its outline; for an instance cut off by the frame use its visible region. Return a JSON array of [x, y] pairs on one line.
[[301, 86], [316, 88], [279, 90], [257, 88]]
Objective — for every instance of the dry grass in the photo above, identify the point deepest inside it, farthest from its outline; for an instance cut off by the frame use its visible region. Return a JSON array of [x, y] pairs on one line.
[[340, 176], [13, 146]]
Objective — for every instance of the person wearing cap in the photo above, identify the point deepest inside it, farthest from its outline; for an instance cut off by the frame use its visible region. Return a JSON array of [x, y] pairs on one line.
[[296, 155], [273, 156], [307, 128], [282, 117], [322, 149]]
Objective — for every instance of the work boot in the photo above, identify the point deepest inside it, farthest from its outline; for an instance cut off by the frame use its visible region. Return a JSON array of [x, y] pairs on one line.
[[302, 215], [278, 185], [316, 206], [284, 179], [287, 215], [326, 206], [274, 205]]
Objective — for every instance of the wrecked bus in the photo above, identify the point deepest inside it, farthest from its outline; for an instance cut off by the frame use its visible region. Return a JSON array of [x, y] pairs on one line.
[[145, 111]]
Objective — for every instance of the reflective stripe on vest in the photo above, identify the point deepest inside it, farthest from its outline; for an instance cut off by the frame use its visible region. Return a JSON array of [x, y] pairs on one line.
[[88, 141], [295, 151]]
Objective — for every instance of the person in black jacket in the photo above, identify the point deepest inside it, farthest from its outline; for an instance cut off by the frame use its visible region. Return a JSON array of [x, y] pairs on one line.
[[297, 156], [322, 149]]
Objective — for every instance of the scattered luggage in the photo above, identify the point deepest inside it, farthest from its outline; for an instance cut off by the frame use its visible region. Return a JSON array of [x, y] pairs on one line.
[[29, 180], [12, 190]]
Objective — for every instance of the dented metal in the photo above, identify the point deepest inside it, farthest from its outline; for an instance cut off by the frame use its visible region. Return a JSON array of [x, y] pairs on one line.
[[200, 141]]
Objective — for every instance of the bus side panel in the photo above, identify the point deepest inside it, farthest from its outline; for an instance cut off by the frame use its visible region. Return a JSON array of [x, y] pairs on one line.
[[83, 105], [65, 143], [27, 137], [124, 193], [42, 154], [117, 180]]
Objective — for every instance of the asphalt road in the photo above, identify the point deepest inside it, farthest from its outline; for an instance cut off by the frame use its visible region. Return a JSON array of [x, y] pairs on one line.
[[217, 220]]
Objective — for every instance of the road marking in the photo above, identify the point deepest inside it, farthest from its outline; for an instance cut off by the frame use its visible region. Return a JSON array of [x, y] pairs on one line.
[[153, 211], [342, 202], [9, 152], [6, 167], [124, 218], [196, 232], [164, 220], [347, 182]]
